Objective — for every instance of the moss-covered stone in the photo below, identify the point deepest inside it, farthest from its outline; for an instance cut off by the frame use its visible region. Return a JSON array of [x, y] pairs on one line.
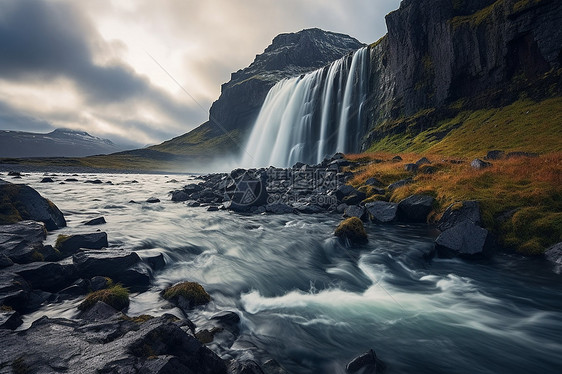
[[353, 230], [189, 294], [116, 297]]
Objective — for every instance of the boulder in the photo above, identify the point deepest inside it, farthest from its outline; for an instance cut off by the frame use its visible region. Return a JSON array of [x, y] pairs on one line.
[[494, 155], [99, 282], [400, 183], [46, 276], [554, 255], [95, 181], [381, 211], [459, 212], [213, 208], [79, 287], [228, 320], [21, 242], [352, 229], [423, 161], [306, 208], [373, 182], [396, 159], [186, 295], [99, 312], [136, 278], [14, 291], [156, 261], [367, 363], [344, 191], [354, 211], [5, 261], [478, 164], [244, 367], [179, 195], [415, 208], [279, 208], [152, 200], [9, 318], [355, 198], [21, 202], [47, 180], [109, 263], [70, 244], [464, 240], [95, 221], [412, 168]]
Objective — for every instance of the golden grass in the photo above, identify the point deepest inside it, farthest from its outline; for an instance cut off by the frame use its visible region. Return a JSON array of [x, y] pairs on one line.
[[529, 187]]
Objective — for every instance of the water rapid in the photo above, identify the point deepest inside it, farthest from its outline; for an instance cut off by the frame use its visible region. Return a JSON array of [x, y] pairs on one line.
[[312, 303], [309, 117]]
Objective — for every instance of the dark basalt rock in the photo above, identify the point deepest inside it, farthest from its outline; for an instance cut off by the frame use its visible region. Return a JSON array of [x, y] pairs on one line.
[[415, 208], [156, 261], [47, 180], [244, 367], [95, 181], [95, 221], [464, 240], [423, 161], [367, 363], [494, 155], [554, 255], [71, 244], [228, 320], [99, 283], [479, 164], [108, 263], [22, 241], [14, 291], [9, 319], [278, 208], [152, 200], [46, 276], [400, 183], [179, 196], [412, 168], [5, 261], [24, 203], [99, 312], [355, 211], [459, 212], [373, 182], [382, 211]]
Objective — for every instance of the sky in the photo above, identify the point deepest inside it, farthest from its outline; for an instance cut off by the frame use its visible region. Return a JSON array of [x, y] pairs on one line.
[[114, 68]]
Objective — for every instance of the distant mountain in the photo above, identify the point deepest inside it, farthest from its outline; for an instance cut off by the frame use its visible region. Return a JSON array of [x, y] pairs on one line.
[[58, 143]]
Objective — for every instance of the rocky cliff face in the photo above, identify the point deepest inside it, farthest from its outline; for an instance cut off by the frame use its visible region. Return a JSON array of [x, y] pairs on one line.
[[476, 53], [288, 55]]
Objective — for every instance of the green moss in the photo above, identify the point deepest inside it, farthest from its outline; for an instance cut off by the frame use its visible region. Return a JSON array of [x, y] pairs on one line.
[[478, 17], [377, 43], [353, 230], [522, 5], [37, 256], [6, 308], [116, 296], [138, 319], [193, 292], [60, 240]]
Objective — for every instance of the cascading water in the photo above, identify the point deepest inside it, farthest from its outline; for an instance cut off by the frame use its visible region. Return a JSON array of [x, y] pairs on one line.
[[309, 117]]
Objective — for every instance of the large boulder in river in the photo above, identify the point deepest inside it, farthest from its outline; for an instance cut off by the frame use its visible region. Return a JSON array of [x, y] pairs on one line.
[[554, 255], [415, 208], [19, 202], [459, 212], [14, 291], [69, 244], [22, 242], [46, 276], [464, 240], [367, 363], [352, 229], [381, 211], [9, 318], [107, 263], [354, 211]]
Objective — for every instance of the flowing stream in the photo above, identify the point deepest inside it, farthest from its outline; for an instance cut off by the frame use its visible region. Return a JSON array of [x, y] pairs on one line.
[[312, 303]]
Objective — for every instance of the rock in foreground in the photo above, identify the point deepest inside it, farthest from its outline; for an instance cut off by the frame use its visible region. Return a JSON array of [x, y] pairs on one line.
[[353, 230]]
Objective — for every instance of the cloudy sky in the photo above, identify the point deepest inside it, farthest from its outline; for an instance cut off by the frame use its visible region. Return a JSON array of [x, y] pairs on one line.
[[90, 65]]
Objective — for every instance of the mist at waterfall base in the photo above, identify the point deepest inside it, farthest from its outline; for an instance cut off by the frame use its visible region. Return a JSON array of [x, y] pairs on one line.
[[310, 117], [313, 303]]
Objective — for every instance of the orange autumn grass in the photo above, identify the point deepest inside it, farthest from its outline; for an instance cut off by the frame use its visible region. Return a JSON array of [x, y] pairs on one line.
[[521, 198]]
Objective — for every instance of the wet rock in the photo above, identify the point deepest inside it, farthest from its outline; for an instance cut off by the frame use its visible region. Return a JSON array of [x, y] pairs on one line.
[[381, 211], [494, 155], [46, 276], [99, 312], [193, 204], [373, 182], [244, 367], [95, 221], [95, 181], [228, 320], [99, 283], [156, 261], [272, 367], [367, 363], [306, 208], [279, 208], [24, 203], [412, 168], [341, 208], [344, 191], [71, 180], [153, 200], [49, 253], [354, 198], [186, 295], [5, 261], [14, 174], [355, 211], [9, 319], [207, 336], [47, 180], [179, 195], [415, 208], [352, 229], [109, 263], [479, 164], [459, 212], [136, 278], [22, 241], [464, 240], [213, 208], [423, 161], [70, 244], [400, 183], [554, 255], [14, 291], [79, 287]]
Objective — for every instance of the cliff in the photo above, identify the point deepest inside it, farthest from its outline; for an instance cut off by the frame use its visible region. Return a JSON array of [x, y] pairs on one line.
[[441, 57]]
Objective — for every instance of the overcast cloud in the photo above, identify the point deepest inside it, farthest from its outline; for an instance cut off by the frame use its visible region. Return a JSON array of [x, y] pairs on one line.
[[86, 64]]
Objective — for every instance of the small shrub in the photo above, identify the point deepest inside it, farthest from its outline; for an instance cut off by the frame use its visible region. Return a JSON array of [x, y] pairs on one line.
[[116, 296]]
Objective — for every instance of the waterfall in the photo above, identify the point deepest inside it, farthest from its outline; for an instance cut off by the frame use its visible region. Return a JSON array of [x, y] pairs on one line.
[[309, 117]]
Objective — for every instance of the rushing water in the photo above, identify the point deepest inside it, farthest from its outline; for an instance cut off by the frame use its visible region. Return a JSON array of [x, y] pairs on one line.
[[309, 117], [312, 303]]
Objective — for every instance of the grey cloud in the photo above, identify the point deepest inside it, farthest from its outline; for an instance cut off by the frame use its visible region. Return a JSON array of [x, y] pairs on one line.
[[12, 119]]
